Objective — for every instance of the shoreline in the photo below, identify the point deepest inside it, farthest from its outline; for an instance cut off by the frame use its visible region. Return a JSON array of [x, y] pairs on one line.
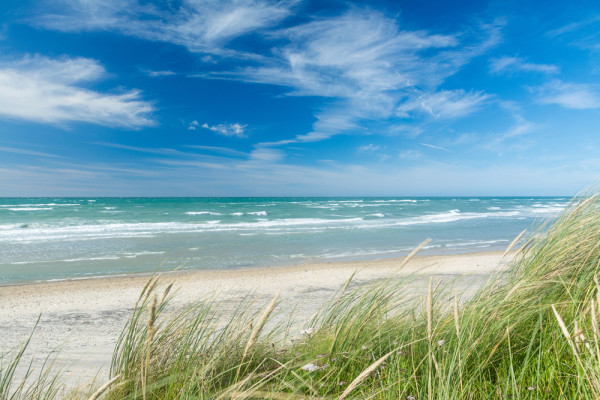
[[315, 262], [82, 319]]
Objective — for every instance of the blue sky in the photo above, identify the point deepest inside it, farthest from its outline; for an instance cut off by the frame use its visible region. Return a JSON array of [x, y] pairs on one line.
[[298, 98]]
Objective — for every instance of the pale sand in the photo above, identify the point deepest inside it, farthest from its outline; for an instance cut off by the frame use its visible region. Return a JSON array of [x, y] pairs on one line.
[[81, 320]]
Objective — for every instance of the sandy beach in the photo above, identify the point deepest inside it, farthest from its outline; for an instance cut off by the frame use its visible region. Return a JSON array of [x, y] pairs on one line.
[[80, 320]]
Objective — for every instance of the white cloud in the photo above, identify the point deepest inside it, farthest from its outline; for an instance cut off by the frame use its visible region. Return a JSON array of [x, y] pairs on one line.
[[361, 53], [160, 74], [515, 64], [573, 26], [443, 104], [199, 25], [410, 155], [370, 66], [365, 62], [27, 152], [369, 147], [569, 95], [266, 155], [193, 126], [45, 90], [432, 146], [236, 129]]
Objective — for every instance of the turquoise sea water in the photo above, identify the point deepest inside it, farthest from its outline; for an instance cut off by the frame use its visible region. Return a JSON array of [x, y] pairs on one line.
[[61, 238]]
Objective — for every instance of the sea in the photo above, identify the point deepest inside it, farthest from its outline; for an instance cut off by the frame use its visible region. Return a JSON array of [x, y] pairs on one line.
[[48, 239]]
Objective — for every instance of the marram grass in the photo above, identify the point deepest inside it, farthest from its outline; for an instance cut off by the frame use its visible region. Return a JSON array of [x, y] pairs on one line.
[[530, 332]]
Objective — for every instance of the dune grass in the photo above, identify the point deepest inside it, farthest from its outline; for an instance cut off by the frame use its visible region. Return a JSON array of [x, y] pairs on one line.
[[530, 332]]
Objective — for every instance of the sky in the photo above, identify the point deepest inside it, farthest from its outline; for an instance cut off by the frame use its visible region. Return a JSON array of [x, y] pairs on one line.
[[299, 98]]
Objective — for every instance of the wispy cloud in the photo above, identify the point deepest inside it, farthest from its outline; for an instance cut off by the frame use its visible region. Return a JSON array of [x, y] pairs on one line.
[[515, 64], [15, 150], [200, 26], [364, 63], [235, 129], [410, 155], [573, 26], [160, 74], [46, 90], [267, 154], [584, 34], [514, 136], [369, 147], [432, 146], [443, 104], [569, 95], [370, 67]]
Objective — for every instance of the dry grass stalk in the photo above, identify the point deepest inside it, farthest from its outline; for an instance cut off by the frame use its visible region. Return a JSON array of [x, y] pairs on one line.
[[597, 292], [103, 388], [152, 285], [456, 316], [457, 325], [363, 375], [513, 243], [261, 394], [583, 204], [430, 309], [595, 328], [577, 336], [430, 333], [166, 292], [259, 325], [150, 338], [348, 282], [565, 331], [232, 393], [413, 253]]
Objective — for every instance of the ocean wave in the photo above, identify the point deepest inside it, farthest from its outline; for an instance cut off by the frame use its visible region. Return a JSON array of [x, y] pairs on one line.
[[203, 213], [111, 257], [261, 213], [41, 205], [454, 215], [31, 209], [475, 243], [396, 201], [12, 233]]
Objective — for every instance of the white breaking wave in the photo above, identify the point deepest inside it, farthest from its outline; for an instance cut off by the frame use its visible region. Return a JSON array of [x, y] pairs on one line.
[[202, 213], [41, 205], [31, 209], [453, 215], [262, 213], [13, 233]]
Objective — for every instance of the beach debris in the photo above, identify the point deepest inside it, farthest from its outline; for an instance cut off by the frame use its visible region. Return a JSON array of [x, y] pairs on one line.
[[310, 367], [307, 332]]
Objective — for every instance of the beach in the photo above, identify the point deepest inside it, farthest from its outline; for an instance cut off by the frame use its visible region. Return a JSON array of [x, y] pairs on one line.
[[80, 320]]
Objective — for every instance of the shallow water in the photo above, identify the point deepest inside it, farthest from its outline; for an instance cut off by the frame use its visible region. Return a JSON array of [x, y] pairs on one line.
[[62, 238]]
